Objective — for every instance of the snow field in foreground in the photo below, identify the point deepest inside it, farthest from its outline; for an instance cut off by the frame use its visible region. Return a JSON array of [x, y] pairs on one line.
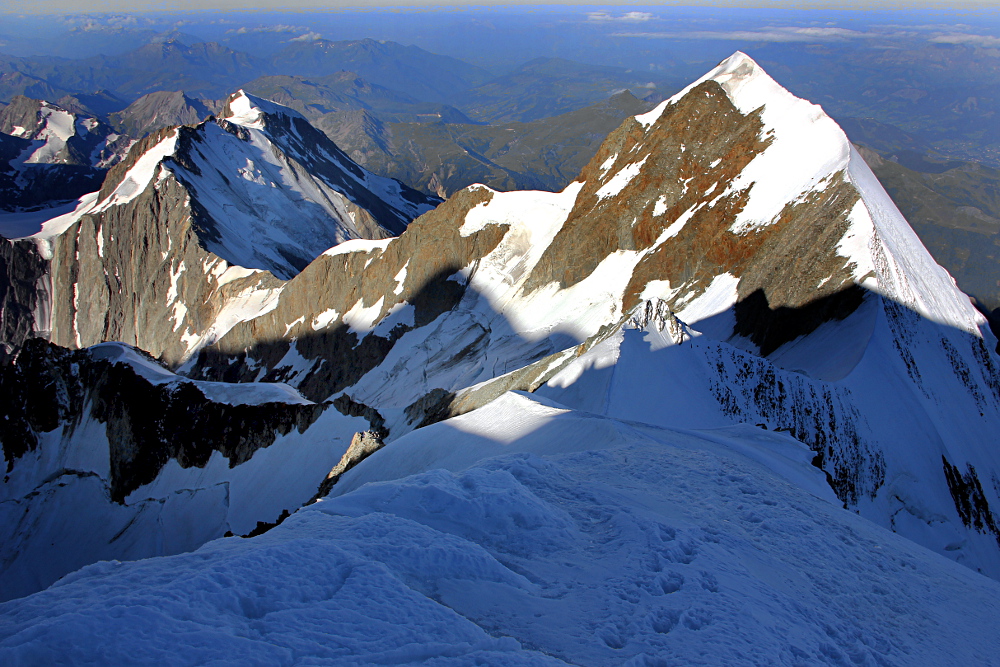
[[649, 547]]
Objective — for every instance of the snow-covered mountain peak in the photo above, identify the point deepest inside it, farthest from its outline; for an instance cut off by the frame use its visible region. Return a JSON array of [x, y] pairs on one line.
[[773, 166], [745, 82], [56, 135], [222, 202], [251, 111]]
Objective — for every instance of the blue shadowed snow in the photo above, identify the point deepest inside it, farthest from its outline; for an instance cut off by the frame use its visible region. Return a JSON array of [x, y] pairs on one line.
[[621, 547]]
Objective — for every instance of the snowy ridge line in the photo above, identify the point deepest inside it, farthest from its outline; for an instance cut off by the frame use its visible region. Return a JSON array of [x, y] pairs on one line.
[[218, 392], [906, 273], [249, 110], [270, 198]]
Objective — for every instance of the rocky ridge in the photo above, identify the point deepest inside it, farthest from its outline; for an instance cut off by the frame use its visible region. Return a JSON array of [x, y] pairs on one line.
[[679, 208]]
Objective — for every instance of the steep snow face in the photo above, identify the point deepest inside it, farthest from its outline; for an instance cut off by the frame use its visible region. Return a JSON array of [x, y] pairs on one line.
[[393, 204], [141, 172], [263, 211], [903, 269], [585, 540]]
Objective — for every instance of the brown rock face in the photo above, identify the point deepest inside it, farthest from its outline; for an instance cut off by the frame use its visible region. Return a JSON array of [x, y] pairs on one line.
[[22, 285], [700, 141], [689, 157], [682, 167]]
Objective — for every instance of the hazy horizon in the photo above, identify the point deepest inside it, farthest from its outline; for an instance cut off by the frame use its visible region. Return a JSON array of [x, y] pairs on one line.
[[74, 7]]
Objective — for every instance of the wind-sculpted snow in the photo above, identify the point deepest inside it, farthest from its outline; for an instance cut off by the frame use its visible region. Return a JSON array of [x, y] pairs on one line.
[[847, 391], [626, 546]]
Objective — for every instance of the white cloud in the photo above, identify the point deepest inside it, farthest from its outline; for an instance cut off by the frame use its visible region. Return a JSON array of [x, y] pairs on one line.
[[985, 41], [267, 28], [627, 17], [93, 23], [307, 37], [766, 35]]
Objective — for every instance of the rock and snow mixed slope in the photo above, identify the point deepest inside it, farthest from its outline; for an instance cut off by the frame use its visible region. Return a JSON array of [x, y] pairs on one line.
[[726, 261], [101, 441], [56, 135], [734, 219], [135, 262]]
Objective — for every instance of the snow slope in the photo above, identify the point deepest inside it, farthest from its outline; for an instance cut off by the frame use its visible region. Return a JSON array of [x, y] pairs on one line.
[[278, 193], [634, 546]]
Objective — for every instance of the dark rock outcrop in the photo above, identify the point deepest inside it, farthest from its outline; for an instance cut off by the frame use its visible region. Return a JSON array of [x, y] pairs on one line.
[[23, 295], [147, 423]]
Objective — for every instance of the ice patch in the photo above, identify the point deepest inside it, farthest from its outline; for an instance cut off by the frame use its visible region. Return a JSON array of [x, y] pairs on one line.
[[288, 327], [175, 277], [607, 163], [324, 319], [619, 181], [400, 279], [179, 312], [674, 228], [660, 206], [249, 304], [357, 245], [361, 320]]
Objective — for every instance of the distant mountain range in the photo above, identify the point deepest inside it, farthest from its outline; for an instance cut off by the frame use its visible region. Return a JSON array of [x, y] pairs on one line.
[[538, 89]]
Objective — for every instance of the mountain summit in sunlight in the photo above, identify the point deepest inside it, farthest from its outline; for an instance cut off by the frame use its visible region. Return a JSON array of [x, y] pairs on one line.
[[633, 419]]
